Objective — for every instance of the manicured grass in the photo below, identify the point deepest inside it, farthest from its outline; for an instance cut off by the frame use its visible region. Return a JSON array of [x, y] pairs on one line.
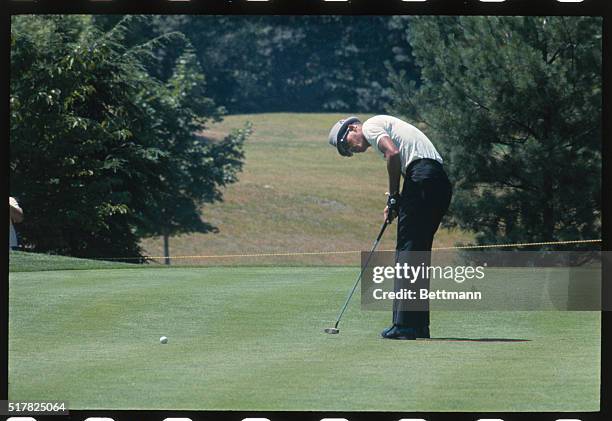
[[251, 339], [295, 194]]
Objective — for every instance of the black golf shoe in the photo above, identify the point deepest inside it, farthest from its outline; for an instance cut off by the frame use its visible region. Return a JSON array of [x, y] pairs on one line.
[[423, 332], [397, 332]]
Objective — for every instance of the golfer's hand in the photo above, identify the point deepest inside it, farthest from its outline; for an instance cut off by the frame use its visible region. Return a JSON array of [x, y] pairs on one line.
[[389, 218]]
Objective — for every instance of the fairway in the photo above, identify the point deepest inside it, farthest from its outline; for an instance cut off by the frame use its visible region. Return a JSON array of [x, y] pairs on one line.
[[251, 338]]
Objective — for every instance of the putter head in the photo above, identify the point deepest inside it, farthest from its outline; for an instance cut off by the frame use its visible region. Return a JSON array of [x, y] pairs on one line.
[[332, 330]]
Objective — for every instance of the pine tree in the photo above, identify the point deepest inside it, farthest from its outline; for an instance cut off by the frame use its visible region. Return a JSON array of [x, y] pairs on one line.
[[515, 105]]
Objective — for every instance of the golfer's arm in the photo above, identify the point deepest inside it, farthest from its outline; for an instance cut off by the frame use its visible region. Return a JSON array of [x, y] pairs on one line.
[[394, 165], [16, 214]]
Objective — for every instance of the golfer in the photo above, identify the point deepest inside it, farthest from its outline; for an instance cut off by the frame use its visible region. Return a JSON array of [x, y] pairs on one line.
[[423, 201]]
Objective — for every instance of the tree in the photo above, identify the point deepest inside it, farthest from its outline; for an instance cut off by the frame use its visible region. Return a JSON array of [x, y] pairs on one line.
[[283, 63], [515, 105], [100, 147], [193, 168]]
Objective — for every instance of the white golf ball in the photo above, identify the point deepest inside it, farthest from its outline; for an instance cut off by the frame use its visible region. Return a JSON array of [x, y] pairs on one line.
[[163, 340]]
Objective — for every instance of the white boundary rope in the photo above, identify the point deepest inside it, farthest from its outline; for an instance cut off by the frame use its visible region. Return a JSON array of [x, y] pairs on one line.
[[318, 253]]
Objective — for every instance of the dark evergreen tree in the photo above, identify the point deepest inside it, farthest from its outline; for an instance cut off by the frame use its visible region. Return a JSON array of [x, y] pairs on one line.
[[284, 63], [515, 105]]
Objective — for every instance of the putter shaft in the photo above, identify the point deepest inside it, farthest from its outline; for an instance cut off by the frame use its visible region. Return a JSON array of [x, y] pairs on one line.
[[348, 299]]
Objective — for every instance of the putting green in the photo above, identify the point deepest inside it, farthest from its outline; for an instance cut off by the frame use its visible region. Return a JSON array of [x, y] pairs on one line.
[[252, 339]]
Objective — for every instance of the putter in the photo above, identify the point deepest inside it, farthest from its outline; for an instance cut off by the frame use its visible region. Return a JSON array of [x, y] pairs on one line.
[[334, 330]]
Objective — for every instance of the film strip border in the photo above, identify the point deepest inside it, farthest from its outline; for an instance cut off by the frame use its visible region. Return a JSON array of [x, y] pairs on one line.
[[449, 7], [312, 416]]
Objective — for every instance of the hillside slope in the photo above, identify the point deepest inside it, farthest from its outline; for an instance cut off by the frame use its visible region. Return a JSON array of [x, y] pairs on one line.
[[296, 194]]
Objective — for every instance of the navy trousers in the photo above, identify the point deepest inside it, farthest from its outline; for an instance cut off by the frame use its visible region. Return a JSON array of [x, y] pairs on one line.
[[425, 197]]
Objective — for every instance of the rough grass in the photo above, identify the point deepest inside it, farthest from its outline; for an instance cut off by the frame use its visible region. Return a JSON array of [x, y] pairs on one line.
[[295, 194], [251, 339]]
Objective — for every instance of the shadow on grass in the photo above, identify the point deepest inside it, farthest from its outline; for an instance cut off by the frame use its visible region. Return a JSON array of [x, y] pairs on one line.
[[474, 340]]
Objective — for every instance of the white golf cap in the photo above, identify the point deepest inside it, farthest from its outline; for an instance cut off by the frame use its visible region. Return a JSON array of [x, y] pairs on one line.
[[337, 133]]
